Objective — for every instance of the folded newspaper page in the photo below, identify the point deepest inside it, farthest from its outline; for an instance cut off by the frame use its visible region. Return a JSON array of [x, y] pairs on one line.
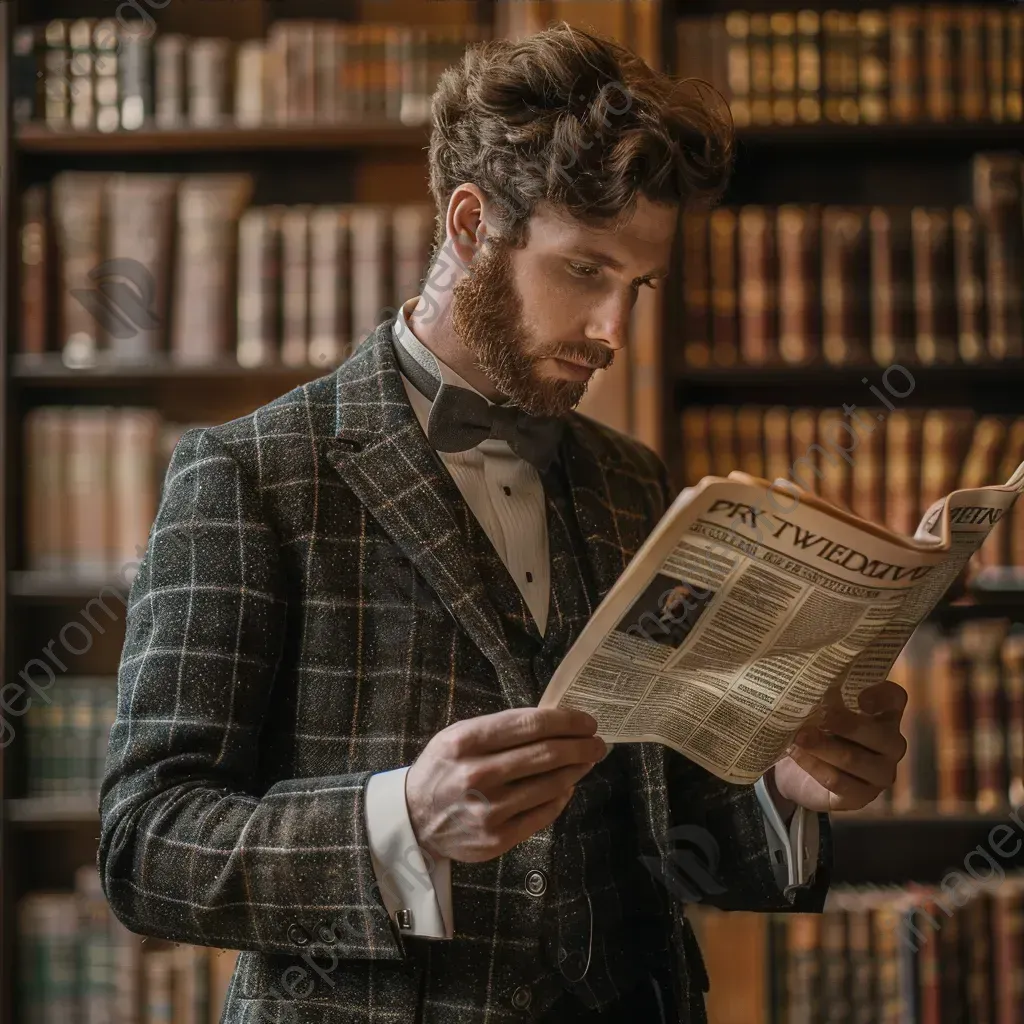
[[751, 607]]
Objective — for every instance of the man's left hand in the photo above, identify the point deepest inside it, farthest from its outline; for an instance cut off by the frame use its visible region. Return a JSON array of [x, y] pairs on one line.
[[844, 761]]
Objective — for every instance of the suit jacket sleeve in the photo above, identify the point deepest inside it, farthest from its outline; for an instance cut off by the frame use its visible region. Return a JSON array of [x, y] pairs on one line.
[[192, 847], [733, 817]]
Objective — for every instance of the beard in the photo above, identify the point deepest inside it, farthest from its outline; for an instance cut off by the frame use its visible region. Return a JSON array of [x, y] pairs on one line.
[[488, 319]]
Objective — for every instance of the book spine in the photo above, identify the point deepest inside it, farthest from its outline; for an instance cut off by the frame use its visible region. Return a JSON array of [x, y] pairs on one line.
[[1013, 101], [170, 99], [782, 26], [738, 64], [138, 229], [370, 268], [696, 446], [902, 470], [107, 46], [845, 277], [33, 270], [934, 289], [724, 304], [77, 213], [873, 66], [250, 79], [696, 348], [330, 306], [722, 435], [295, 285], [835, 471], [798, 229], [750, 440], [83, 74], [997, 197], [758, 342], [133, 495], [58, 81], [972, 98], [808, 66], [259, 280], [906, 98], [209, 86], [939, 67], [969, 256]]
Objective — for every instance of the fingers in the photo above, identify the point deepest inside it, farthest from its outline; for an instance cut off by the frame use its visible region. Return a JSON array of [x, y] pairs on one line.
[[884, 698], [852, 759], [850, 792], [539, 758], [517, 726], [521, 796], [524, 825], [878, 733]]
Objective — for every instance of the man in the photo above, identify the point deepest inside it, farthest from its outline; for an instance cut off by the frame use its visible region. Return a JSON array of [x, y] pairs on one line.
[[328, 752]]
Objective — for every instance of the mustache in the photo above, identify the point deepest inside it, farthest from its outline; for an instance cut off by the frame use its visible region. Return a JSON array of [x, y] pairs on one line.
[[591, 353]]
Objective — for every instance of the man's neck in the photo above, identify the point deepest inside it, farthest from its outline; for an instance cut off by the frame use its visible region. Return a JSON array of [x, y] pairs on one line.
[[435, 334]]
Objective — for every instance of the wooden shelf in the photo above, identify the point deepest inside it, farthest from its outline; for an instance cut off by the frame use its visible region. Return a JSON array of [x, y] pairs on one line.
[[890, 135], [812, 376], [53, 811], [37, 585], [49, 371], [881, 850], [37, 138]]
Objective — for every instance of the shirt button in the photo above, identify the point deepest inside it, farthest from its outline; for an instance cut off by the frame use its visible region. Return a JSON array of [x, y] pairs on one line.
[[536, 882], [298, 934], [521, 997]]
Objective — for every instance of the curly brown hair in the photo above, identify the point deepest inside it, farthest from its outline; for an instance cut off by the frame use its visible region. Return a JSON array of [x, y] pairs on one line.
[[578, 121]]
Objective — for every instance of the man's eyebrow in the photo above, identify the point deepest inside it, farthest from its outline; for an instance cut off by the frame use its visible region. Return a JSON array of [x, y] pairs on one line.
[[609, 261]]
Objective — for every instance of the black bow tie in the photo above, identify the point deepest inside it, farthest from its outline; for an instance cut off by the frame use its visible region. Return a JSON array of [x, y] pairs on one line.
[[461, 419]]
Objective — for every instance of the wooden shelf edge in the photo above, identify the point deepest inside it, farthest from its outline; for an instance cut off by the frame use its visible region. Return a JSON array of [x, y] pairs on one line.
[[52, 810], [48, 371], [36, 138]]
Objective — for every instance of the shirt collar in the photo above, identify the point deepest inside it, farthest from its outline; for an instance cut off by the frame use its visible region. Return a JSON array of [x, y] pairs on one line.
[[439, 369]]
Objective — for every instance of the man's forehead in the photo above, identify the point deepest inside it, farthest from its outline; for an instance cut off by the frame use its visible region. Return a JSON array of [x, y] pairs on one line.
[[648, 225]]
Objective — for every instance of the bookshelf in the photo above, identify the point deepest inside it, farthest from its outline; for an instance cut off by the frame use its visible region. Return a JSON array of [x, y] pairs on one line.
[[43, 838]]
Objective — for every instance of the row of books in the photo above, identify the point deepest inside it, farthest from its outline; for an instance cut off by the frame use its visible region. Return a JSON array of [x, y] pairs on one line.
[[964, 722], [77, 963], [950, 954], [850, 285], [935, 63], [66, 737], [887, 465], [123, 267], [107, 75], [93, 476]]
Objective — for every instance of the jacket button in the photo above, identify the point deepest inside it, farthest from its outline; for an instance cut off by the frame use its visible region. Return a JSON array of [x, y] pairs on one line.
[[521, 997], [325, 933], [536, 882], [298, 934]]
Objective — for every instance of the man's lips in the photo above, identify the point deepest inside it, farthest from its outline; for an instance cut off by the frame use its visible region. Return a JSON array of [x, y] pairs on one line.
[[575, 370]]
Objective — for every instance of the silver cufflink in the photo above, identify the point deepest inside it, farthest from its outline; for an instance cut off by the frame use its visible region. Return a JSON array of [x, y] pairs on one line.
[[403, 918]]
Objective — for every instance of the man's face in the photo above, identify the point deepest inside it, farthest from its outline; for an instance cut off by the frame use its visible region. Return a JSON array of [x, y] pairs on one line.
[[541, 319]]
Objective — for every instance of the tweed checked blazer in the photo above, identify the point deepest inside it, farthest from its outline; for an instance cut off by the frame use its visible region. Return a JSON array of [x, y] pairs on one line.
[[306, 615]]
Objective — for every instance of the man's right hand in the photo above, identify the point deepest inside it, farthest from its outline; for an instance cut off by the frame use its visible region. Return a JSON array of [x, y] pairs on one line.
[[484, 784]]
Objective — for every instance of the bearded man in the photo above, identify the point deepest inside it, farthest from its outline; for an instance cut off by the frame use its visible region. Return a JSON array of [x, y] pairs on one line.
[[328, 752]]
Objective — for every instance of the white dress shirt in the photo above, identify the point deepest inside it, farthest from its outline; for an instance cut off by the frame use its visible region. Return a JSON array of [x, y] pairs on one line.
[[505, 494]]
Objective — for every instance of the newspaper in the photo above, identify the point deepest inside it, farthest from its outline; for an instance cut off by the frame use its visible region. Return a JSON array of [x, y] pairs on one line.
[[735, 623]]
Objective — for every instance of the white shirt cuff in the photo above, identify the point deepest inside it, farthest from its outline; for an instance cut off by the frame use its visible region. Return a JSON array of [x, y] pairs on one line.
[[794, 849], [415, 887]]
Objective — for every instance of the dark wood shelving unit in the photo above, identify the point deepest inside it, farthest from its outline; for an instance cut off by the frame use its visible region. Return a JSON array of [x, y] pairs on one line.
[[34, 138]]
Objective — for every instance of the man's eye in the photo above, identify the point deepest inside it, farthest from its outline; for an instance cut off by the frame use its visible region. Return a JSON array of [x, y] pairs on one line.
[[582, 269]]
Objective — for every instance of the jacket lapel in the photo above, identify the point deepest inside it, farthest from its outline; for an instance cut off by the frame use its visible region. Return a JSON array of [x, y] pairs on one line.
[[613, 519], [381, 453]]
